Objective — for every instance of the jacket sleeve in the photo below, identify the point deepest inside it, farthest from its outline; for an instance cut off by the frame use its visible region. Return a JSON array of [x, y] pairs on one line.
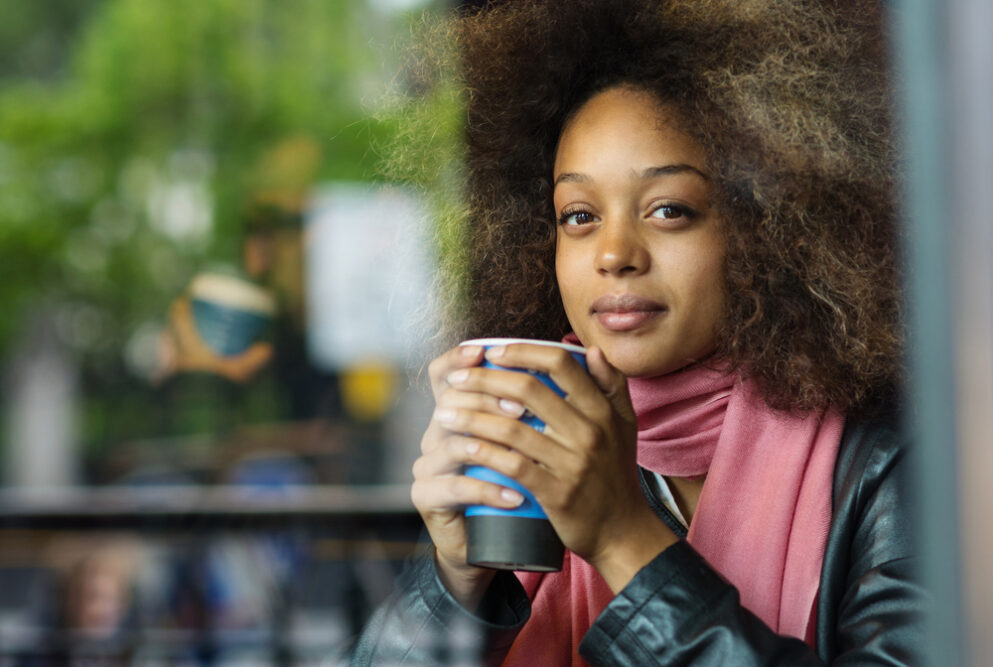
[[678, 610], [422, 624]]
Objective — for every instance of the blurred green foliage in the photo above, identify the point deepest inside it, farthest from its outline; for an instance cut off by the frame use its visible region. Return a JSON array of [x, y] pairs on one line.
[[144, 106], [133, 138]]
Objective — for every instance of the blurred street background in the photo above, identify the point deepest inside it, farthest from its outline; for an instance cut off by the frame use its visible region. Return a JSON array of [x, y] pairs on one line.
[[180, 487]]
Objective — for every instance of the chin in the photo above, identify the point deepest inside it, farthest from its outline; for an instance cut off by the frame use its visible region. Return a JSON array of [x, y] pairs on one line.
[[635, 361], [648, 372], [635, 365]]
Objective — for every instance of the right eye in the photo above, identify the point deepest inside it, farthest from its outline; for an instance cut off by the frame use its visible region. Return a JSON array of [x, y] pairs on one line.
[[576, 218]]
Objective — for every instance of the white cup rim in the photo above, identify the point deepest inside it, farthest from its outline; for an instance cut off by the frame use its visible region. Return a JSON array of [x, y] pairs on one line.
[[234, 292], [490, 342]]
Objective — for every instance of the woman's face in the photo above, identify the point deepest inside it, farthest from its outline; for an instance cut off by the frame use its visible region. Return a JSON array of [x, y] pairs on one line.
[[639, 248]]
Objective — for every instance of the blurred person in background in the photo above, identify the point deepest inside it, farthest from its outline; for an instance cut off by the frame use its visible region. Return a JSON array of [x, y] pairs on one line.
[[98, 591], [96, 612], [271, 256], [273, 375]]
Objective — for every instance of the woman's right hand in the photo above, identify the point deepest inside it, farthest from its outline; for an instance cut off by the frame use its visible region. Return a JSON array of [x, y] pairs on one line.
[[440, 491]]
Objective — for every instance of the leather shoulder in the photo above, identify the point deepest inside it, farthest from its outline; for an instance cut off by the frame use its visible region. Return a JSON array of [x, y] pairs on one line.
[[869, 572], [870, 504]]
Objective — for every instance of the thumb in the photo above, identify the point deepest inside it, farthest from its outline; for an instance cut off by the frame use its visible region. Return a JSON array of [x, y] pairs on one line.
[[254, 358], [258, 354], [610, 381], [247, 364]]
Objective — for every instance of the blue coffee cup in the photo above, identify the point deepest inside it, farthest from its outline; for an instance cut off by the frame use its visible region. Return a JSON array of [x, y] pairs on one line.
[[521, 538], [230, 313]]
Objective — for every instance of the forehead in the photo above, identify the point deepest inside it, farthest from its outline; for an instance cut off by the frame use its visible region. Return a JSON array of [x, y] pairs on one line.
[[624, 127]]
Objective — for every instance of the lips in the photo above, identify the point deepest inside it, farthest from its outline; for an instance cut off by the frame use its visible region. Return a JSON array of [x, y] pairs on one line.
[[625, 312]]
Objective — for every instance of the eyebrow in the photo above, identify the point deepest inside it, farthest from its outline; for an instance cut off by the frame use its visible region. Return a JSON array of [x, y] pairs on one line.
[[651, 172]]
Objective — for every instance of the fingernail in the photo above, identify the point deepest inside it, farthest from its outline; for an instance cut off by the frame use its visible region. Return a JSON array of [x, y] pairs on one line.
[[458, 377], [496, 351], [470, 350], [472, 448], [444, 415], [512, 496], [511, 407]]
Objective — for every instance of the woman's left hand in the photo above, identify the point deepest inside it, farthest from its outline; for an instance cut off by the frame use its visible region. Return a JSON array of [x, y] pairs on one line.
[[582, 468]]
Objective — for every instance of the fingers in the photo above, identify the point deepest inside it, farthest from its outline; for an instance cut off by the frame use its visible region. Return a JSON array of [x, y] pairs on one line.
[[462, 356], [447, 458], [579, 387], [555, 362], [478, 409], [584, 403], [439, 484], [437, 432], [510, 434], [509, 391], [435, 494], [611, 382], [480, 402], [585, 389]]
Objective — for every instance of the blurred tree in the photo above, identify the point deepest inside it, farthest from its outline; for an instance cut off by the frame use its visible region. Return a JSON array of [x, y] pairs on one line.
[[35, 36], [128, 146]]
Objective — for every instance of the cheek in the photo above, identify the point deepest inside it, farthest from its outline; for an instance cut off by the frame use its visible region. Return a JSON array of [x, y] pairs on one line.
[[710, 295], [697, 275], [564, 275], [569, 279]]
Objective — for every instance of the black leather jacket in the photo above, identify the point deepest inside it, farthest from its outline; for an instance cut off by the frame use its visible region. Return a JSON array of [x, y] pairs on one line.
[[677, 610]]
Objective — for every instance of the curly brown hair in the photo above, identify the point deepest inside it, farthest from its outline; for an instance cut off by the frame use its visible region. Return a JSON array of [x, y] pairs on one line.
[[791, 103]]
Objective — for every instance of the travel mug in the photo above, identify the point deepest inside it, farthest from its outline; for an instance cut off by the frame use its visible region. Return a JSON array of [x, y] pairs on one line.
[[521, 538]]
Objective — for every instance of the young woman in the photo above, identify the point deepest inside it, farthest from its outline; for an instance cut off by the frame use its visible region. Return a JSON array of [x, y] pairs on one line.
[[701, 194]]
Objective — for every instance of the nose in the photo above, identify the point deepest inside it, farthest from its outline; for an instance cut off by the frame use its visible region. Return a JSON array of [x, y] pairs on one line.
[[620, 249]]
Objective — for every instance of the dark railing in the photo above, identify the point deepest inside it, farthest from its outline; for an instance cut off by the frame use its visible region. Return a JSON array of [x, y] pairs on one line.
[[225, 574]]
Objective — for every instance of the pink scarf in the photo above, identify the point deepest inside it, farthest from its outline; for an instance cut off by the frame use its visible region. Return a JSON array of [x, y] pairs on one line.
[[762, 519]]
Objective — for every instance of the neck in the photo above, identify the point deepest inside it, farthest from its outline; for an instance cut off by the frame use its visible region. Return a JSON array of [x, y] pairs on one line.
[[686, 491]]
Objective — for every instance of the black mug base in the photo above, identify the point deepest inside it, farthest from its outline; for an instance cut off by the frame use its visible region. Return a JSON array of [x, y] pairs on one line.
[[513, 543]]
